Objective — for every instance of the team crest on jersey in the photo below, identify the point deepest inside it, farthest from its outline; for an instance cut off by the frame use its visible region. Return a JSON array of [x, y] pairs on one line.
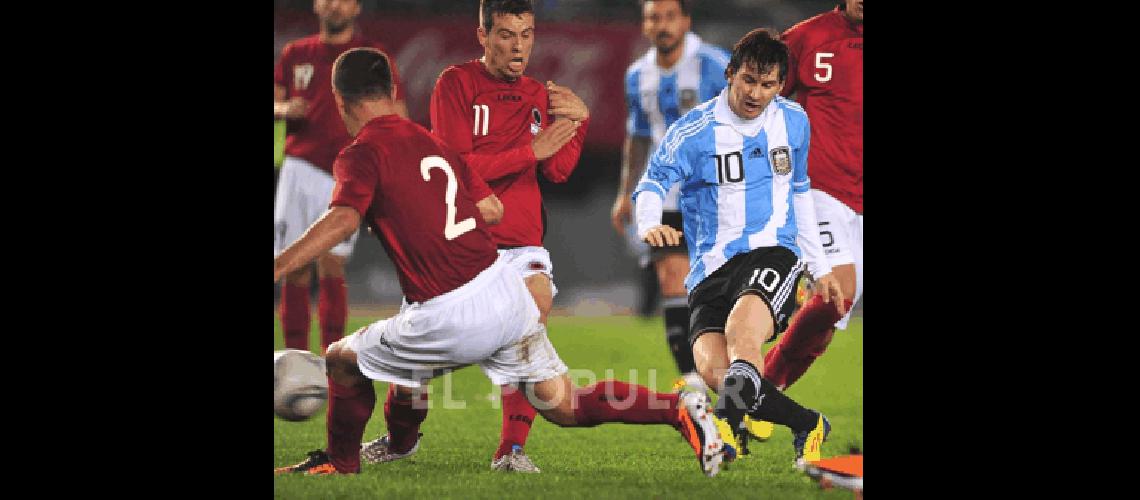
[[688, 100], [781, 160], [302, 74], [536, 121]]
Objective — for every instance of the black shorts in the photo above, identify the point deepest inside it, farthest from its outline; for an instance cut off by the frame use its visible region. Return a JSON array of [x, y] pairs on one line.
[[770, 272], [672, 219]]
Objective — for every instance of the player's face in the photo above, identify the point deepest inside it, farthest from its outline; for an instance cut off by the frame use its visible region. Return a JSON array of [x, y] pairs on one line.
[[663, 24], [506, 49], [855, 10], [336, 15], [750, 91]]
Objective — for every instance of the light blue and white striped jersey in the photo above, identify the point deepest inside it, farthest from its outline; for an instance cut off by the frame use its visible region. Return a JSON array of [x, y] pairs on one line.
[[657, 97], [737, 178]]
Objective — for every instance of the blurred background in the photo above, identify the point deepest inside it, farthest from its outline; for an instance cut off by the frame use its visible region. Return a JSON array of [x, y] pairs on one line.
[[583, 44]]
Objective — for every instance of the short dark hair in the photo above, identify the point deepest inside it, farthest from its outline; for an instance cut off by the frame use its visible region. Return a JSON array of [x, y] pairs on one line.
[[362, 73], [686, 5], [491, 7], [762, 48]]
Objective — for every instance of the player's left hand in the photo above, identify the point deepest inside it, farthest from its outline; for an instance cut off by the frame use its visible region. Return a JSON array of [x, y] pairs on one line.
[[828, 287], [564, 103], [662, 235]]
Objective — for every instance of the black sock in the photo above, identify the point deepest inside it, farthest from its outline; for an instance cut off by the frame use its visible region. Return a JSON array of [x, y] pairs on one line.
[[677, 333], [746, 392]]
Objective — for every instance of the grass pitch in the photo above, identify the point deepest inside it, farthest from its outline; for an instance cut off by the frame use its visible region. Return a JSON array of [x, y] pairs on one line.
[[608, 461]]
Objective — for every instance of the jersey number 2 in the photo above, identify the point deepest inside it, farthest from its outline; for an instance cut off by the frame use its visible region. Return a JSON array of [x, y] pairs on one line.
[[451, 230]]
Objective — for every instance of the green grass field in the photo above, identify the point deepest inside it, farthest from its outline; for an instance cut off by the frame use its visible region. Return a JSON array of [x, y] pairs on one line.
[[608, 461]]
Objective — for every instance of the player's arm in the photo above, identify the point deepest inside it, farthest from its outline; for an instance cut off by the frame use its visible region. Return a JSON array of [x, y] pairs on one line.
[[807, 227], [453, 119], [666, 167], [565, 106], [634, 153], [489, 205], [357, 173], [337, 224]]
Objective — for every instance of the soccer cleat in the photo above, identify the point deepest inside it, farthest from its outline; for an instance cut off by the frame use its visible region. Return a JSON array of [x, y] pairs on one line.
[[699, 428], [515, 461], [731, 445], [760, 430], [318, 463], [808, 444], [379, 451]]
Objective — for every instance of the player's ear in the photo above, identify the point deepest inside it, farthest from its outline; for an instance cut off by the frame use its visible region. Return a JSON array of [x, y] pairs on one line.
[[481, 34]]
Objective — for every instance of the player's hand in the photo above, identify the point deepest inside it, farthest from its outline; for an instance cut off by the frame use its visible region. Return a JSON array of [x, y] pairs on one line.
[[293, 108], [662, 235], [828, 287], [552, 138], [564, 103], [620, 214]]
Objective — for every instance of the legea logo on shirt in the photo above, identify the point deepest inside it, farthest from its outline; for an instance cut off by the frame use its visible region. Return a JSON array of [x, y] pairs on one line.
[[302, 74]]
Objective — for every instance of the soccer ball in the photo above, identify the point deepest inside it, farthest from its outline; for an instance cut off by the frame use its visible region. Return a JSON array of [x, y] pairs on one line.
[[300, 387]]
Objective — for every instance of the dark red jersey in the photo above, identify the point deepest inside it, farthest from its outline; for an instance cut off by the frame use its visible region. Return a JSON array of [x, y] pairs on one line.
[[305, 70], [826, 73], [491, 123], [419, 199]]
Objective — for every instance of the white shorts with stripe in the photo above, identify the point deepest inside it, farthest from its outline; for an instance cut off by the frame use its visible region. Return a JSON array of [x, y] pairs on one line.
[[303, 194], [841, 232], [491, 321]]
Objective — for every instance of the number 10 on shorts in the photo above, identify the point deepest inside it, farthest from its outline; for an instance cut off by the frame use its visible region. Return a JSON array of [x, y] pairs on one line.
[[767, 278]]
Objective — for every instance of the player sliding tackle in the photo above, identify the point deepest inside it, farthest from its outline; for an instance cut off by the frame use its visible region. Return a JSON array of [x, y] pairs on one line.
[[463, 303]]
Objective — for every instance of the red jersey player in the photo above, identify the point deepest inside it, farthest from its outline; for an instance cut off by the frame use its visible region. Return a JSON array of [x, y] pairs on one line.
[[826, 74], [464, 303], [506, 126], [302, 95]]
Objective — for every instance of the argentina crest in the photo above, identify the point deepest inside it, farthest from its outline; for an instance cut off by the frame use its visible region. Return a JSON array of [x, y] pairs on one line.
[[781, 160]]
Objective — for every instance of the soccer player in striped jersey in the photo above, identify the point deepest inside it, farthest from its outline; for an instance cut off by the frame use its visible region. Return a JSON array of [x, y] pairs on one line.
[[748, 218], [677, 73]]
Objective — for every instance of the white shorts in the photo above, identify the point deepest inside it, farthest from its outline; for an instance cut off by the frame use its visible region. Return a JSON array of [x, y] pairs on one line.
[[303, 194], [529, 261], [841, 232], [490, 321]]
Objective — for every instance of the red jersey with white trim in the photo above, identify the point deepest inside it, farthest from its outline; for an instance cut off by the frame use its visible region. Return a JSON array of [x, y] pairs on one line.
[[491, 124], [305, 70], [825, 71], [419, 199]]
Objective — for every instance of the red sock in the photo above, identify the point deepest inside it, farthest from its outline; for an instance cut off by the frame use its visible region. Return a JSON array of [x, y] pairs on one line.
[[403, 419], [518, 416], [295, 316], [617, 401], [332, 310], [805, 340], [348, 412]]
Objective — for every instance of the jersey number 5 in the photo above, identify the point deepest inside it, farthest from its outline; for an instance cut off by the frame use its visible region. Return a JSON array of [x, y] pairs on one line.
[[826, 67], [451, 230]]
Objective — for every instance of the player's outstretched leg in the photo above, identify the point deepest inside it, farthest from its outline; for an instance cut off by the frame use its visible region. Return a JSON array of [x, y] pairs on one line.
[[616, 401], [351, 400]]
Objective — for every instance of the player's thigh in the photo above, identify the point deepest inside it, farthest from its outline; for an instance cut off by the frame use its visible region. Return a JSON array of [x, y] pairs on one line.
[[835, 230], [530, 262], [749, 325]]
